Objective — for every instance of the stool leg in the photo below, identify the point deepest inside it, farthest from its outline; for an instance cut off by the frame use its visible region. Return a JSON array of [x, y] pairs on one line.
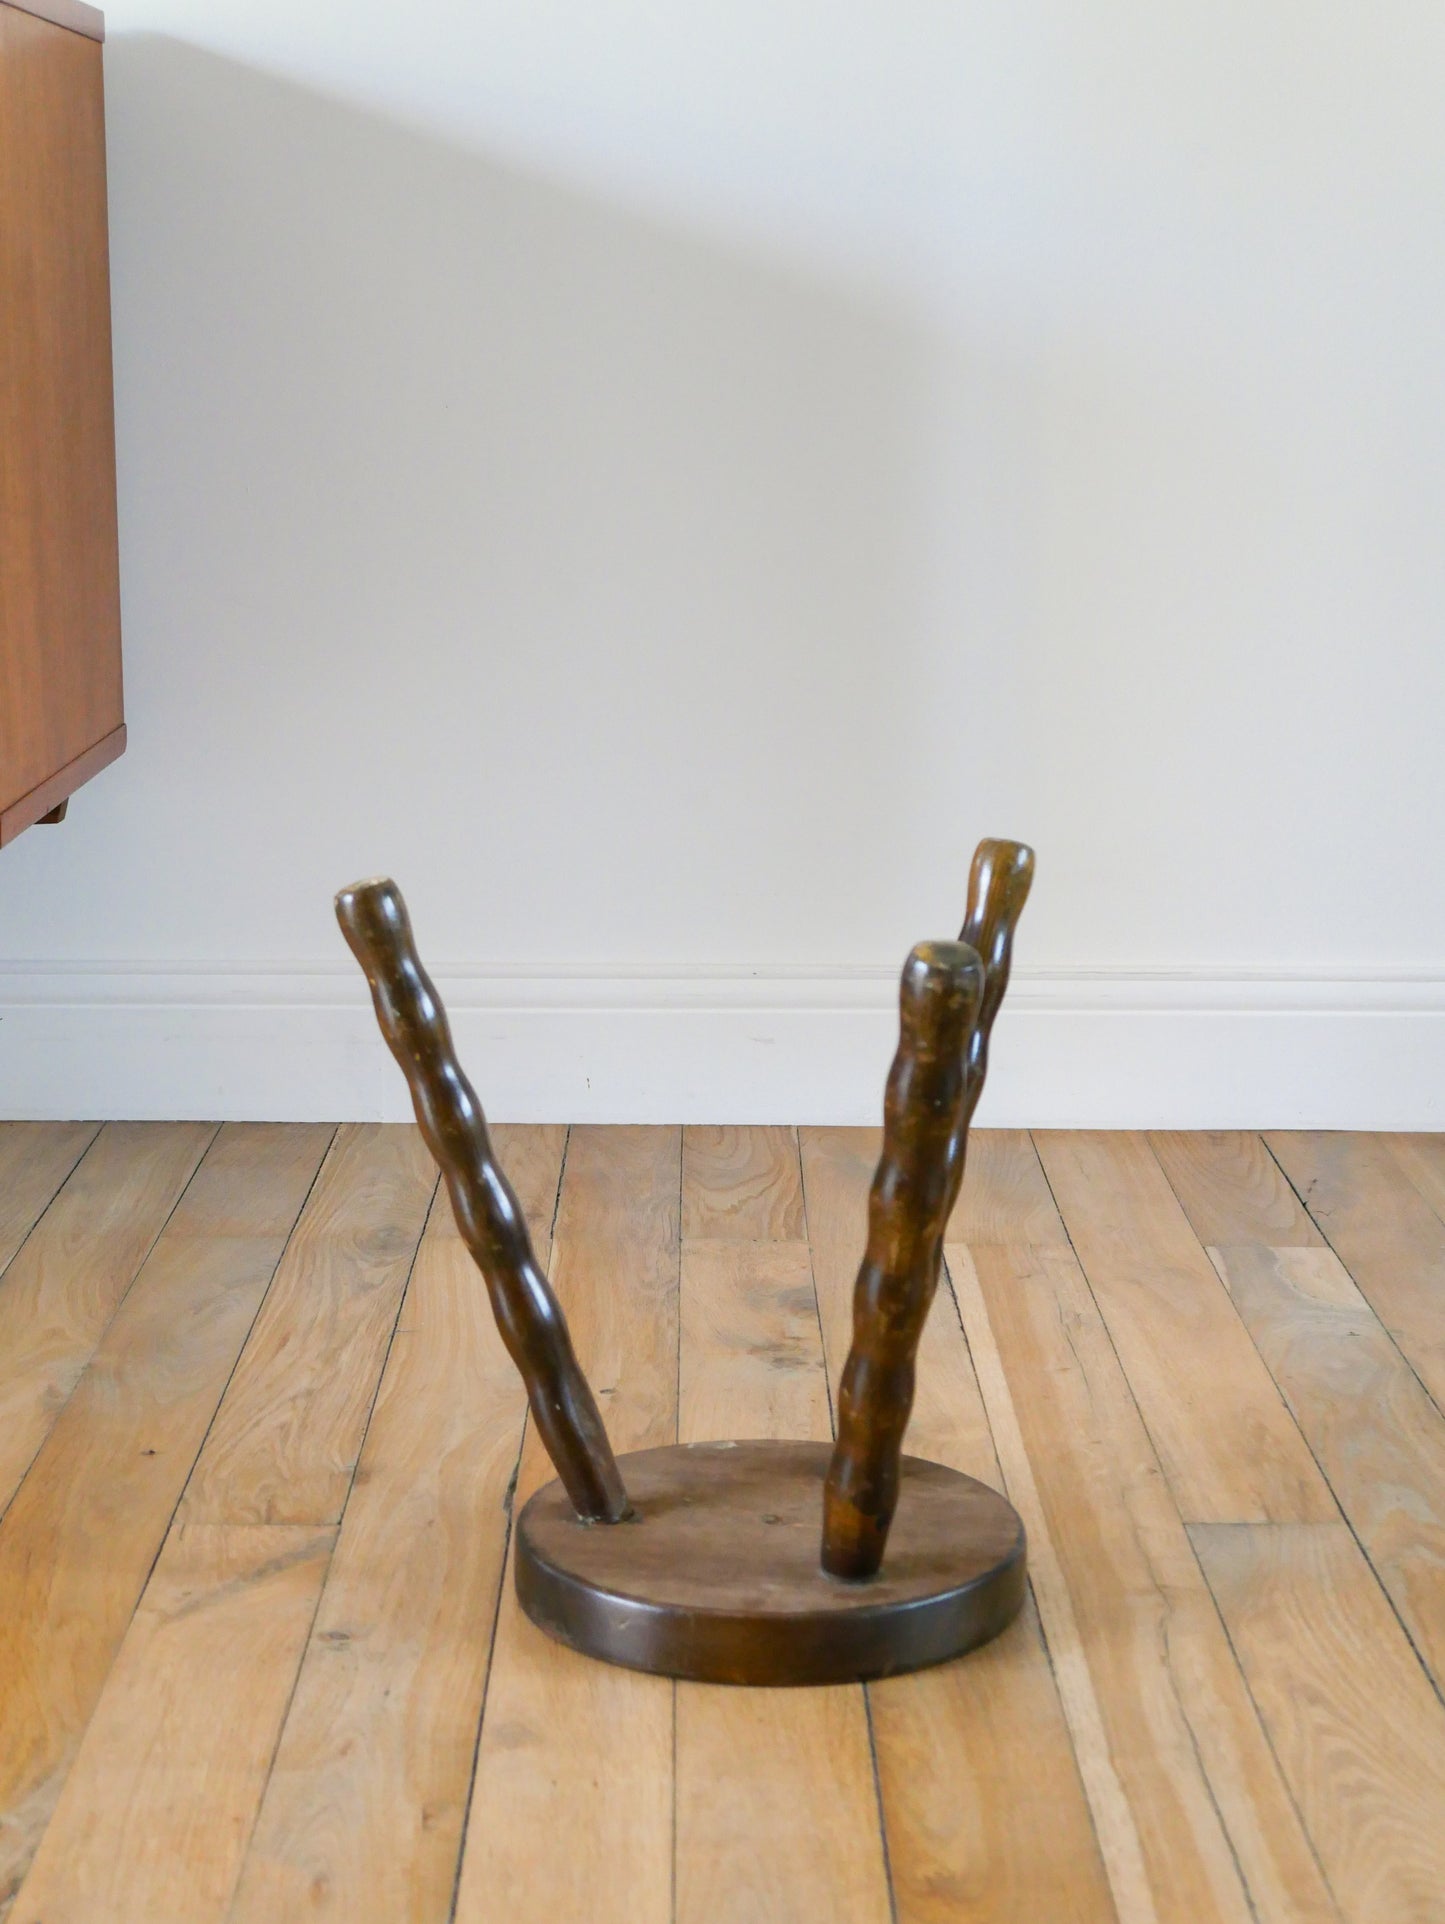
[[374, 921], [951, 993], [907, 1210]]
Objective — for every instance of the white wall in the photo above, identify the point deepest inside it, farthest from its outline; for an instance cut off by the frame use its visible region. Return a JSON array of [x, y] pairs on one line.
[[663, 481]]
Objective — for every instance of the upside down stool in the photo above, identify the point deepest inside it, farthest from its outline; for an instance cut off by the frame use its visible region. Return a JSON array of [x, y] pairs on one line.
[[750, 1562]]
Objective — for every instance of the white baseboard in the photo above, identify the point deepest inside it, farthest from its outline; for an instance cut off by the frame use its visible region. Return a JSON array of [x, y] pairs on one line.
[[1103, 1048]]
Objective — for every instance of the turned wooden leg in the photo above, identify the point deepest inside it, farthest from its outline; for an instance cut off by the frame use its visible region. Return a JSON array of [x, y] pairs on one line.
[[907, 1209], [374, 921], [998, 887], [951, 993]]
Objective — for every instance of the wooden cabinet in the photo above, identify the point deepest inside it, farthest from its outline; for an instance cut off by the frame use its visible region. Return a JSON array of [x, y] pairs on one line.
[[61, 717]]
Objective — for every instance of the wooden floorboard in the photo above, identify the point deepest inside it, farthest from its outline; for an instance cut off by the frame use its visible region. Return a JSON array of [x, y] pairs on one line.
[[741, 1185], [284, 1445], [1383, 1230], [1195, 1820], [776, 1802], [1005, 1197], [1358, 1730], [65, 1282], [35, 1159], [979, 1826], [154, 1817], [574, 1752], [79, 1540], [1232, 1189], [363, 1813], [1227, 1443], [261, 1658], [1423, 1160], [777, 1811], [1375, 1432]]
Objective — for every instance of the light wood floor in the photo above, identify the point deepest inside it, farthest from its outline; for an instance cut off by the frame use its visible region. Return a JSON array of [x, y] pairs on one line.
[[259, 1449]]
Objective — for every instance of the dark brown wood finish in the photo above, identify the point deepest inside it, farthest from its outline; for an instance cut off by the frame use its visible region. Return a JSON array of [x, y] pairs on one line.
[[374, 921], [712, 1572], [60, 673], [951, 994], [717, 1578], [908, 1207], [998, 887]]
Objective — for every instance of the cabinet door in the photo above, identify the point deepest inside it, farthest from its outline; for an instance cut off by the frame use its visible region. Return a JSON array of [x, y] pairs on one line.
[[60, 689]]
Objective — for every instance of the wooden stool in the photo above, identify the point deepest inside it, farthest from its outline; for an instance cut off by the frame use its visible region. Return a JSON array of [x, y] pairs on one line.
[[703, 1560]]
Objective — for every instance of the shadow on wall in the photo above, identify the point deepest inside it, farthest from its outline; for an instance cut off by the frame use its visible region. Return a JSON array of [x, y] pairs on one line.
[[641, 598], [471, 526]]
